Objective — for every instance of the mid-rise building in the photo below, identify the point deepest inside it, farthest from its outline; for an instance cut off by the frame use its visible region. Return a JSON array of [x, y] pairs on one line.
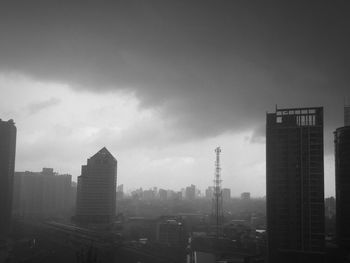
[[342, 183], [175, 195], [44, 194], [149, 194], [209, 192], [137, 194], [245, 196], [120, 192], [226, 194], [73, 198], [190, 192], [171, 232], [170, 194], [96, 192], [163, 194], [295, 185], [8, 134]]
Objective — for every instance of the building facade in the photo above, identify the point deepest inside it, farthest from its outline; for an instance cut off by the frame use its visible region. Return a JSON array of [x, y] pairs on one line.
[[96, 192], [209, 192], [8, 134], [44, 194], [342, 183], [295, 185], [226, 194], [120, 192], [163, 194], [245, 196], [190, 192], [171, 232]]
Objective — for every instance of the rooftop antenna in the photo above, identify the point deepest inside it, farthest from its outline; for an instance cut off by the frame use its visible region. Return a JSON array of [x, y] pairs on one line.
[[217, 198]]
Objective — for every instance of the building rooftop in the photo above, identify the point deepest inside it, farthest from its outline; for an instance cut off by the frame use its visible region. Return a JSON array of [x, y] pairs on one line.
[[103, 152]]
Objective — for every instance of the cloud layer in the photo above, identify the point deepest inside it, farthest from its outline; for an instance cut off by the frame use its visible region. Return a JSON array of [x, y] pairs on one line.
[[196, 70], [149, 151], [209, 66], [35, 107]]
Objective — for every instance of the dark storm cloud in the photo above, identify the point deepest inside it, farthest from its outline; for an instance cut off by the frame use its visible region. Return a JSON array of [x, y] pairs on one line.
[[212, 66], [36, 107]]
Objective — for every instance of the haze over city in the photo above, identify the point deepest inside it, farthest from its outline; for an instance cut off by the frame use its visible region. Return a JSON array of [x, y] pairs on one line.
[[188, 131], [162, 84]]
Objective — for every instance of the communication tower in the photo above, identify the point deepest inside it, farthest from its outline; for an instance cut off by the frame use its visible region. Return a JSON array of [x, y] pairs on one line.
[[218, 213]]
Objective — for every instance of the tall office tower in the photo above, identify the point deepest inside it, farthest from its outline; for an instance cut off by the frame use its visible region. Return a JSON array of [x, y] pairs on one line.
[[342, 183], [8, 133], [295, 185], [96, 193]]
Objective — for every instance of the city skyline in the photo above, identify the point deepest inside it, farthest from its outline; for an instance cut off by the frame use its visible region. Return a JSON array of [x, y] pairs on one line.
[[174, 131], [329, 191], [164, 85]]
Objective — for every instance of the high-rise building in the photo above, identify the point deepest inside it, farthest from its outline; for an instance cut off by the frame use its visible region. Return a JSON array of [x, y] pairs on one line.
[[342, 183], [295, 185], [96, 193], [149, 194], [43, 194], [8, 133]]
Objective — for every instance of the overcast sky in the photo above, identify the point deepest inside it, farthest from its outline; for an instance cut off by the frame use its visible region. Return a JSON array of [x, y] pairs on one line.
[[162, 83]]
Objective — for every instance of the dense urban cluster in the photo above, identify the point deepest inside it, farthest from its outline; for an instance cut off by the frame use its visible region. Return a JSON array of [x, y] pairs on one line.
[[46, 217]]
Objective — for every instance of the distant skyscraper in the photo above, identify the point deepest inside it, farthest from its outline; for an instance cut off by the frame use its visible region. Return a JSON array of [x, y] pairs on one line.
[[295, 185], [8, 133], [96, 193], [342, 182]]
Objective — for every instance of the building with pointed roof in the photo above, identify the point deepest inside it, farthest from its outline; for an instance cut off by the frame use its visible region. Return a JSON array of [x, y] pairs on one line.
[[96, 192]]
